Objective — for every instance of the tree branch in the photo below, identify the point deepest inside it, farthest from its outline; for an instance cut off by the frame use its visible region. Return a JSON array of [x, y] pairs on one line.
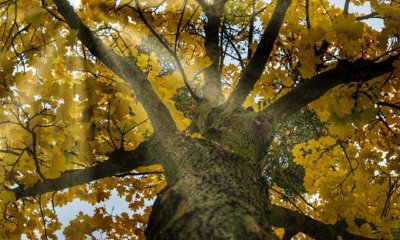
[[308, 14], [346, 7], [164, 43], [239, 56], [119, 162], [368, 16], [392, 105], [9, 151], [310, 90], [254, 69], [212, 90], [295, 222], [251, 30], [127, 70]]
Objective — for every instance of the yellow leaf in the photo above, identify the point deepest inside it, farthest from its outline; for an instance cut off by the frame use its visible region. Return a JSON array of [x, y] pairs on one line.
[[6, 65], [349, 27], [35, 15], [279, 232], [7, 196], [143, 61], [196, 135]]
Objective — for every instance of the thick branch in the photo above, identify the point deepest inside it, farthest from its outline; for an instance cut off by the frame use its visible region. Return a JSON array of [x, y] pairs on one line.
[[368, 16], [212, 75], [118, 162], [129, 71], [257, 63], [295, 222], [310, 90]]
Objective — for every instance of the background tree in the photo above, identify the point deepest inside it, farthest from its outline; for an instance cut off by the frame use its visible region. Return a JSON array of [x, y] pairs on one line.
[[242, 119]]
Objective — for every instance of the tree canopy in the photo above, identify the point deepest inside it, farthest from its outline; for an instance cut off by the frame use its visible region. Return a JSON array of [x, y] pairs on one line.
[[94, 96]]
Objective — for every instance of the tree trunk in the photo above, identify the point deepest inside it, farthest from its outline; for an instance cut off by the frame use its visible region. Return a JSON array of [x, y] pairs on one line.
[[216, 195]]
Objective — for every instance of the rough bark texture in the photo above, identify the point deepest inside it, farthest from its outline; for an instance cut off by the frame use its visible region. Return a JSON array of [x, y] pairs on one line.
[[243, 132], [219, 195]]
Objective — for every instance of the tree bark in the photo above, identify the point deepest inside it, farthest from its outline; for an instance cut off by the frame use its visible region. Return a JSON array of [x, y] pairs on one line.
[[217, 195], [212, 90]]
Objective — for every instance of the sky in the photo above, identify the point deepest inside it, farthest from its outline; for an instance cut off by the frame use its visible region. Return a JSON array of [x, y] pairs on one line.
[[117, 205], [364, 9]]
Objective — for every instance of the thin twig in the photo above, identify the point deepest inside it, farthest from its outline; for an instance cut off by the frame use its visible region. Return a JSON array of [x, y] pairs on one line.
[[308, 14], [169, 50], [42, 216]]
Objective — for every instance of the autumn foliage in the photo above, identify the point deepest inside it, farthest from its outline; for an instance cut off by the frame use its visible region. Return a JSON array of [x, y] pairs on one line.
[[72, 127]]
